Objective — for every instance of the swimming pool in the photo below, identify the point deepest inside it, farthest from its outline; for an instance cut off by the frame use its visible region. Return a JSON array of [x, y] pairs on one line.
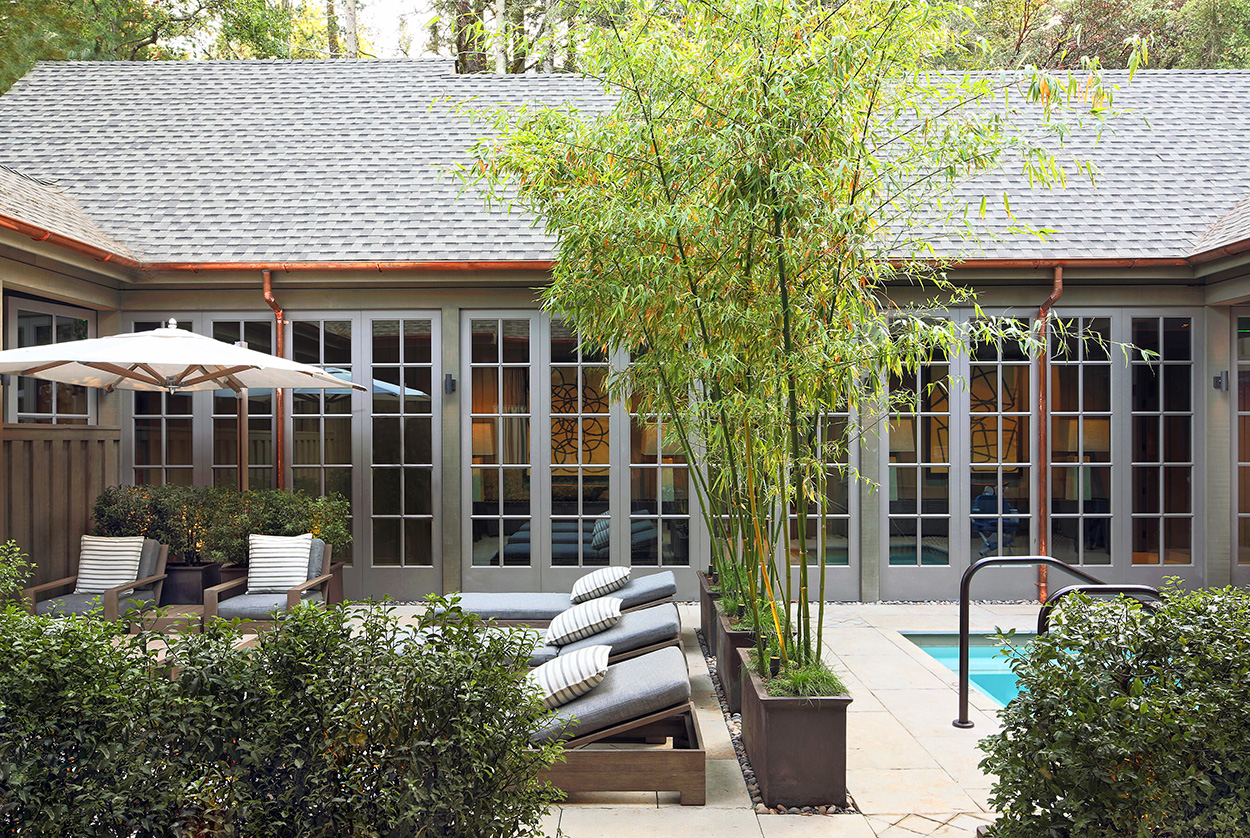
[[987, 670]]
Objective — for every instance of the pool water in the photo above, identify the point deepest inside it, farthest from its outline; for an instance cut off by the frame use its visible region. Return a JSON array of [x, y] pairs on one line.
[[987, 669]]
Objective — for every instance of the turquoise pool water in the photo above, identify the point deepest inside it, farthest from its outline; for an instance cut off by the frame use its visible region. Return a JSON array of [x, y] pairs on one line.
[[987, 670]]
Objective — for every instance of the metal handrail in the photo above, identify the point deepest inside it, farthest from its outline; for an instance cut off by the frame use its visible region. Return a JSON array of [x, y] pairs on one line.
[[965, 606], [1135, 591]]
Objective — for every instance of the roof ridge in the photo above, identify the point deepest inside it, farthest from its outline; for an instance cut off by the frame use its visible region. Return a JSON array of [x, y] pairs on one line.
[[51, 184]]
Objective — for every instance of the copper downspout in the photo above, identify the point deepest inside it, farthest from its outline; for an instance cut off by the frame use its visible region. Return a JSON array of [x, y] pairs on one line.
[[1043, 431], [279, 396]]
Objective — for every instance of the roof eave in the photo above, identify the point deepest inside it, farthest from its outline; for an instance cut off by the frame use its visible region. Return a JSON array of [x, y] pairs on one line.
[[375, 266], [42, 234]]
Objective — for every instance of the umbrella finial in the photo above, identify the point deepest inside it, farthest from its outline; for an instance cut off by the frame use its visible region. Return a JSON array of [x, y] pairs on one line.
[[173, 324]]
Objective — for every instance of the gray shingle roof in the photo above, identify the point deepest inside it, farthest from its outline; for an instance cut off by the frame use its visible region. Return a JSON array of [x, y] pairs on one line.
[[346, 161], [273, 160], [45, 206]]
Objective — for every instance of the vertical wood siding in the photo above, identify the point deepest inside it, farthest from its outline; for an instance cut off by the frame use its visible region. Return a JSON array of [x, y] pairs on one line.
[[51, 476]]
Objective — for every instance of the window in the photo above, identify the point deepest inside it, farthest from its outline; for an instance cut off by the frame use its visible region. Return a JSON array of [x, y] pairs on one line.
[[258, 335], [920, 468], [32, 400]]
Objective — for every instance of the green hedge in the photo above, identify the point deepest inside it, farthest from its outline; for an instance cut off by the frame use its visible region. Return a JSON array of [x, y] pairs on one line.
[[213, 524], [1129, 724], [334, 724]]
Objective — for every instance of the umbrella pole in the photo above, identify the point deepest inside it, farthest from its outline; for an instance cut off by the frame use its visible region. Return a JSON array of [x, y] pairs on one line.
[[241, 399]]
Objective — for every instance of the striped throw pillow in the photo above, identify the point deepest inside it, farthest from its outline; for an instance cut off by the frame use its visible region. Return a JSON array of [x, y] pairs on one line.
[[572, 675], [105, 562], [605, 580], [277, 563], [602, 534], [583, 620]]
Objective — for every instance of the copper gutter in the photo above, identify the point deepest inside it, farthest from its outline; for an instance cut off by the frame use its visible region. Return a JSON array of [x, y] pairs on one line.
[[41, 234], [380, 267], [279, 396], [1043, 430]]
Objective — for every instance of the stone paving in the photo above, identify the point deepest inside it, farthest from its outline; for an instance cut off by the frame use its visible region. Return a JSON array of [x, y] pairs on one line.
[[909, 771]]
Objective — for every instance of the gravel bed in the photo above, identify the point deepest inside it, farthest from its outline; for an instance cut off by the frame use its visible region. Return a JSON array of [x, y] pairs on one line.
[[734, 722]]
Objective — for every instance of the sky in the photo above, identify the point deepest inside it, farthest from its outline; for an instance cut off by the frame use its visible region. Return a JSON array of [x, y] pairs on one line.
[[381, 19]]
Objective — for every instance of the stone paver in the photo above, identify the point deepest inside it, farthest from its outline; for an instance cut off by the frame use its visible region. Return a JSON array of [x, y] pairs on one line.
[[909, 771]]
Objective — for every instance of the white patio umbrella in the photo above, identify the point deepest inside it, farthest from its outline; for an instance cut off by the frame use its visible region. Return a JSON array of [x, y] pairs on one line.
[[168, 359]]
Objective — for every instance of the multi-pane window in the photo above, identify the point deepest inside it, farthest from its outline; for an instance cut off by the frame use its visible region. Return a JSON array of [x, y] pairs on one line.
[[919, 468], [500, 442], [258, 335], [48, 402], [580, 453], [1080, 442], [999, 378], [659, 495], [321, 420], [403, 441], [831, 436], [1162, 441], [163, 438], [1243, 440]]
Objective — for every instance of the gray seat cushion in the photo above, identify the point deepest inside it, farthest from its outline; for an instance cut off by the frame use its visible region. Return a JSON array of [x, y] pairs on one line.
[[148, 558], [258, 606], [86, 603], [652, 587], [544, 606], [316, 556], [635, 630], [543, 653], [632, 689]]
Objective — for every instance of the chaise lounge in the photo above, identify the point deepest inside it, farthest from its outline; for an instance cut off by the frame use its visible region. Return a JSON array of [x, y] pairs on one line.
[[636, 633], [642, 701], [537, 608]]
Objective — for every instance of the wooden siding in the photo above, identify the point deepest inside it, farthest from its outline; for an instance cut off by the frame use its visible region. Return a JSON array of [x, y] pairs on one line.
[[51, 476]]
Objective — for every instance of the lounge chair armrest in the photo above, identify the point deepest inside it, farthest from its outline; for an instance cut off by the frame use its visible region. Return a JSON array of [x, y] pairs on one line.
[[112, 596], [294, 595], [32, 595], [214, 594]]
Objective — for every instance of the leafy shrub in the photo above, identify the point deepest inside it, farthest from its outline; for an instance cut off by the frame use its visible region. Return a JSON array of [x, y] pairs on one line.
[[1129, 723], [334, 724], [213, 523], [15, 569]]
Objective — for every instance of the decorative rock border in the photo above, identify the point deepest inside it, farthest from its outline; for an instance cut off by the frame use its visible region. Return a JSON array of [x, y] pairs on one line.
[[734, 722]]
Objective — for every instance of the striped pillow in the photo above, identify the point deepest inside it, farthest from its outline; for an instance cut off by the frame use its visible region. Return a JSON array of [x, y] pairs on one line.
[[584, 620], [602, 534], [572, 675], [277, 563], [602, 581], [105, 562]]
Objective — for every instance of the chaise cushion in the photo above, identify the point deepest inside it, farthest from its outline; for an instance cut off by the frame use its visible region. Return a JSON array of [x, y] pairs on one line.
[[584, 620], [630, 690], [599, 583], [86, 603], [515, 605], [259, 606], [635, 630], [641, 590], [569, 676], [277, 563], [105, 562]]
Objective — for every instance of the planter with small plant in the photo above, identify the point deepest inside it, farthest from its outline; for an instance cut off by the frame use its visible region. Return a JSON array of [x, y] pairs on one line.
[[709, 593]]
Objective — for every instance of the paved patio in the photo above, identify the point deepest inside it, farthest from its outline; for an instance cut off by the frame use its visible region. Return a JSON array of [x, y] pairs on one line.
[[909, 771]]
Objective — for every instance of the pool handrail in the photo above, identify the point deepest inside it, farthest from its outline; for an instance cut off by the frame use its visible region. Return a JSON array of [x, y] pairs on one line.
[[965, 606], [1152, 598]]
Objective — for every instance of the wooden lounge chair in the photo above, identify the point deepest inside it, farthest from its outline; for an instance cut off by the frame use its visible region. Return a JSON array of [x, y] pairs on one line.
[[637, 633], [142, 593], [642, 700], [230, 600], [538, 609]]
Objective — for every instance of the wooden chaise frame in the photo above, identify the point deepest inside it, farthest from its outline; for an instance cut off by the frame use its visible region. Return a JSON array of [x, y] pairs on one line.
[[681, 768]]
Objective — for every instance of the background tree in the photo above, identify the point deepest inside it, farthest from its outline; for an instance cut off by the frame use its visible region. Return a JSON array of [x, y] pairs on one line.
[[507, 36], [732, 224]]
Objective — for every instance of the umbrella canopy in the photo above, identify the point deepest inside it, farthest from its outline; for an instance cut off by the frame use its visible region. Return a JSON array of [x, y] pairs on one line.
[[169, 359]]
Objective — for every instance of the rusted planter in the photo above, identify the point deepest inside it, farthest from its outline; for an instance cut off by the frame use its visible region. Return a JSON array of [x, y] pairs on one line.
[[797, 746], [707, 611], [728, 642]]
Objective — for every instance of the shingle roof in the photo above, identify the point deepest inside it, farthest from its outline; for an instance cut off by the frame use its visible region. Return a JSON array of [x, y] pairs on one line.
[[45, 206], [210, 161], [346, 160]]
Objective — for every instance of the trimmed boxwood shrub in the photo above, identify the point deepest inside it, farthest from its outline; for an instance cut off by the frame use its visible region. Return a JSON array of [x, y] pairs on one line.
[[1130, 723], [334, 724], [212, 524]]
